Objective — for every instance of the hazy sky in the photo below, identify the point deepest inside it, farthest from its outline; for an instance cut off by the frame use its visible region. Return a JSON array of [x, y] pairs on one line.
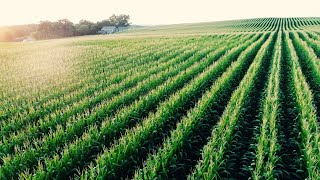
[[152, 11]]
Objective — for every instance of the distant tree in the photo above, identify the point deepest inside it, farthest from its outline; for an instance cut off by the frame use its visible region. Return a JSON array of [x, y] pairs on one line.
[[101, 24], [45, 30], [64, 28], [48, 29], [13, 33], [121, 20], [6, 35], [60, 28], [86, 28]]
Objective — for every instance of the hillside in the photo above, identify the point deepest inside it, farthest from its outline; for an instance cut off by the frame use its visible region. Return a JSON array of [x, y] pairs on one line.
[[222, 100], [245, 25]]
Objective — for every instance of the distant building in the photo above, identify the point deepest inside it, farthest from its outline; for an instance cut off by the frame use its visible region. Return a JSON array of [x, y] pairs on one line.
[[24, 39], [111, 29], [122, 28], [28, 39]]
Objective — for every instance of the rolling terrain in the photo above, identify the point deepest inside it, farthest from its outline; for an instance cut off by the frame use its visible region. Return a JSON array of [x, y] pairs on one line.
[[235, 99]]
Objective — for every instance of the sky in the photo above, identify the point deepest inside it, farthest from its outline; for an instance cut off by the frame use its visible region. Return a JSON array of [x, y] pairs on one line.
[[152, 12]]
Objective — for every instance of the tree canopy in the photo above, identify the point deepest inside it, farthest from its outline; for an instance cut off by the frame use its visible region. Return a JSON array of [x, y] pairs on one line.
[[62, 28]]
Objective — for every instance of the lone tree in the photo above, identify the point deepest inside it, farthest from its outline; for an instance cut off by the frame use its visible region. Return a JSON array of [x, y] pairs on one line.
[[121, 20]]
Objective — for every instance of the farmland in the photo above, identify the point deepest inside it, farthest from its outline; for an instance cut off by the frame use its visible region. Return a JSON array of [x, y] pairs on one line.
[[223, 100]]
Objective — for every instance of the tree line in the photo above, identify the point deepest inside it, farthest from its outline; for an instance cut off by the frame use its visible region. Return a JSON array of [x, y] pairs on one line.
[[62, 28], [17, 33]]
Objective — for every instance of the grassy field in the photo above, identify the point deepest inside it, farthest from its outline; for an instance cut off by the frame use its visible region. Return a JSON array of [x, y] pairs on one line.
[[223, 100]]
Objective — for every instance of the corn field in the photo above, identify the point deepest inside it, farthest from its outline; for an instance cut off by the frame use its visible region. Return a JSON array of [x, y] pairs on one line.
[[229, 100]]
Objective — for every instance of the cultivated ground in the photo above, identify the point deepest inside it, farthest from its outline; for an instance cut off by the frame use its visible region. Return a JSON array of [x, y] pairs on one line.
[[227, 100]]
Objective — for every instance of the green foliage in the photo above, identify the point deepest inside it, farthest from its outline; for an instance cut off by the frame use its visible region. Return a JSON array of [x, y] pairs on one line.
[[233, 99]]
